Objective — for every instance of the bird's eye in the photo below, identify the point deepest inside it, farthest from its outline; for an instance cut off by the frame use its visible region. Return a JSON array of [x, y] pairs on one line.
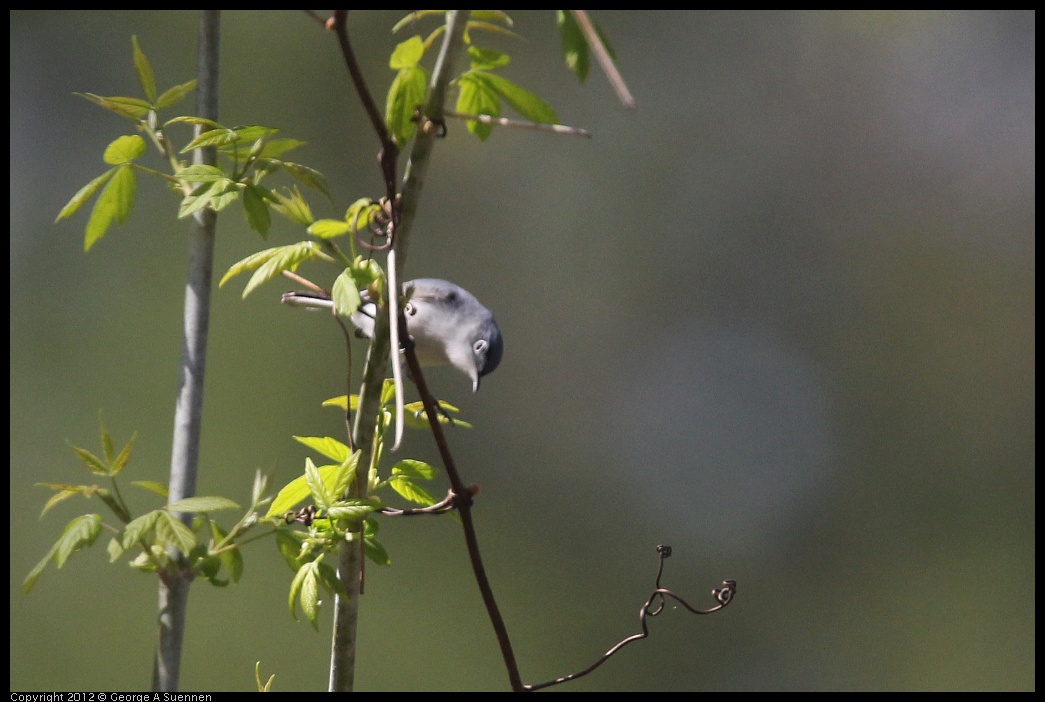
[[480, 346], [409, 309]]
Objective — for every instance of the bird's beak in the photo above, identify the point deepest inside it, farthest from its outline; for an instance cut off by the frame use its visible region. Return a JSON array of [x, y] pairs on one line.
[[475, 384]]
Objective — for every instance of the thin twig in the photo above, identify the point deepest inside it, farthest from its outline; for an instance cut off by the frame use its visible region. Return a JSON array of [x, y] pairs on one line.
[[604, 59], [521, 124], [301, 280]]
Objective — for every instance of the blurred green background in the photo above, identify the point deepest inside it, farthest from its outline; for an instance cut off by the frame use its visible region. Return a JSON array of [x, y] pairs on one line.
[[779, 317]]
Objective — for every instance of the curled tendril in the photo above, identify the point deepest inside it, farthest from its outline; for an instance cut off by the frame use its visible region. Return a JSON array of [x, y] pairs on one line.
[[724, 594], [380, 228], [651, 608]]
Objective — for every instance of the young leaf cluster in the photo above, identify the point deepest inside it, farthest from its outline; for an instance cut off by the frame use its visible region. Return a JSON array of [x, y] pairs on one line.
[[481, 91], [249, 153], [158, 541], [158, 538], [333, 516]]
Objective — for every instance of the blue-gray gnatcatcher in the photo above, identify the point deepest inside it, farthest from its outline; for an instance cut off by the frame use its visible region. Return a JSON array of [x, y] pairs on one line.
[[446, 323]]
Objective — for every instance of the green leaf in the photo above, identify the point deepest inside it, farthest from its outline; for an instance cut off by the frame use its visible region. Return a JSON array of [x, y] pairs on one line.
[[308, 177], [406, 94], [151, 559], [341, 402], [352, 511], [211, 137], [193, 119], [491, 16], [133, 109], [107, 445], [375, 551], [388, 391], [113, 205], [115, 550], [344, 475], [120, 462], [415, 415], [153, 487], [407, 54], [78, 534], [305, 587], [295, 589], [85, 489], [329, 228], [64, 493], [368, 275], [200, 173], [328, 577], [257, 491], [310, 594], [298, 489], [209, 566], [345, 294], [138, 528], [411, 490], [273, 149], [83, 195], [144, 69], [171, 530], [293, 207], [434, 36], [202, 505], [574, 46], [293, 492], [93, 463], [414, 17], [473, 25], [120, 191], [37, 571], [253, 132], [267, 686], [487, 59], [224, 194], [174, 95], [477, 97], [289, 545], [256, 209], [231, 558], [317, 486], [522, 101], [326, 446], [271, 262], [412, 468], [217, 195]]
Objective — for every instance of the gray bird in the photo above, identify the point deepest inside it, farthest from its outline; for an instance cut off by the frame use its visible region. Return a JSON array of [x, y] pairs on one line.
[[447, 324]]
